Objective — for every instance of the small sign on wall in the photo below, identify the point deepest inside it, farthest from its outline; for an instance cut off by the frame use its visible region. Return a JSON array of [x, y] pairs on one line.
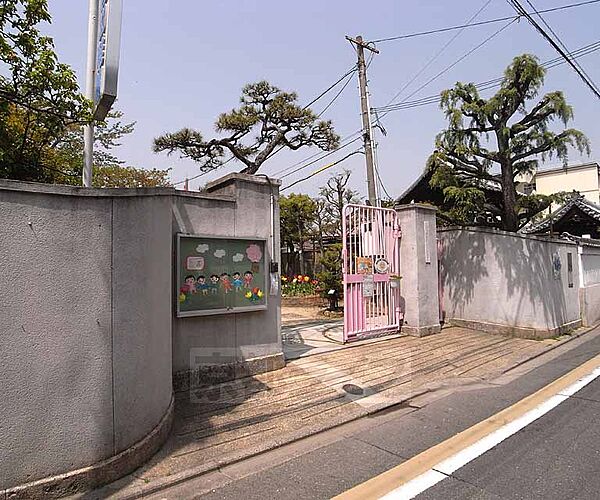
[[556, 265], [368, 287]]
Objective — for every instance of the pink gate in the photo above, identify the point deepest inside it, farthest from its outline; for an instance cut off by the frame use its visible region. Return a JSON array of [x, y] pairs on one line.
[[370, 266]]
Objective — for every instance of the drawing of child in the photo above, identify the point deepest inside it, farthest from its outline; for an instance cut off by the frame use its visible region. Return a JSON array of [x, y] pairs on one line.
[[214, 284], [226, 282], [248, 276], [201, 285], [189, 285], [237, 281]]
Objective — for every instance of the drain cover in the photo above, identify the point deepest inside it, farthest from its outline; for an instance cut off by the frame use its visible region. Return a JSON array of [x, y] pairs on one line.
[[353, 389]]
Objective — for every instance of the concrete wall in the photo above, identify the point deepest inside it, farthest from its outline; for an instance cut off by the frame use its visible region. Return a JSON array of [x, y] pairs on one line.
[[505, 282], [222, 347], [80, 326], [419, 269], [590, 263], [590, 304], [91, 346]]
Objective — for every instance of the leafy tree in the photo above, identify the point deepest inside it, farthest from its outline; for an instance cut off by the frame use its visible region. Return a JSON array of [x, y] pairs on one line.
[[39, 96], [118, 176], [297, 212], [277, 121], [489, 143], [331, 275], [336, 194]]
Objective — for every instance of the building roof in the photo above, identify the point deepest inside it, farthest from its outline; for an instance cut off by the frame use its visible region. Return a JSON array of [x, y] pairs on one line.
[[562, 168], [421, 191], [577, 203]]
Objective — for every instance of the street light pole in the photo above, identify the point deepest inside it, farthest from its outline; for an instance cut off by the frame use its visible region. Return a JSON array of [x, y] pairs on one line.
[[88, 129]]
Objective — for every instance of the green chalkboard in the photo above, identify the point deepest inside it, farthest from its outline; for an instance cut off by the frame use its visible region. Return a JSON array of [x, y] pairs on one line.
[[220, 275]]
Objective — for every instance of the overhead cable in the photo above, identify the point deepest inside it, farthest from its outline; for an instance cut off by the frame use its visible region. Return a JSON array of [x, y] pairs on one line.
[[318, 171], [489, 84], [480, 23], [519, 8]]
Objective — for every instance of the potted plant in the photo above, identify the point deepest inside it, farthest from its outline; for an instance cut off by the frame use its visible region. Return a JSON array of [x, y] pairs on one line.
[[395, 280]]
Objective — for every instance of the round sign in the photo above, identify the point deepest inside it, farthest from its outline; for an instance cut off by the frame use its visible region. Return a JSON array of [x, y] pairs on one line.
[[382, 266]]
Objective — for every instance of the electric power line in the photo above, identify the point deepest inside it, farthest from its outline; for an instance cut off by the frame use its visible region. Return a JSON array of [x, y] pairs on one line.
[[437, 54], [461, 58], [480, 23], [557, 38], [519, 9], [321, 95], [321, 157], [318, 171], [435, 98]]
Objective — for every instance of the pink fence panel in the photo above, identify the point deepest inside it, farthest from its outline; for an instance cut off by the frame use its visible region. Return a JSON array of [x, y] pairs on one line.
[[370, 268]]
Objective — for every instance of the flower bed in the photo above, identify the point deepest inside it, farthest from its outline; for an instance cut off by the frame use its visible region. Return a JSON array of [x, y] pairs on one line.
[[299, 286]]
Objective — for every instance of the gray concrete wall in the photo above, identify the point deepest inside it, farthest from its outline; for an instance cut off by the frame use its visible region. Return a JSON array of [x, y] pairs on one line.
[[219, 347], [419, 269], [91, 346], [85, 325], [590, 304], [507, 281]]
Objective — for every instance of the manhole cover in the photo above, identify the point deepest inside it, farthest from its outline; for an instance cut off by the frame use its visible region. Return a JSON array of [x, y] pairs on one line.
[[352, 389]]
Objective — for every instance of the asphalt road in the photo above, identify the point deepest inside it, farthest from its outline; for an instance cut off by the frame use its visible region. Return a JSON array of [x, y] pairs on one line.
[[555, 457]]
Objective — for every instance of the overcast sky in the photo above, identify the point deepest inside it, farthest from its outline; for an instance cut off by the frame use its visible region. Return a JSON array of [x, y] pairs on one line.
[[184, 61]]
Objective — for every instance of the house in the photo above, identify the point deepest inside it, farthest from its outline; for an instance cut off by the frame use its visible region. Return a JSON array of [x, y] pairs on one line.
[[583, 178], [578, 216]]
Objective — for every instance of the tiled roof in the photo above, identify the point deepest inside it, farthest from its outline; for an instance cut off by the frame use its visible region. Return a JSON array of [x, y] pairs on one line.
[[586, 206]]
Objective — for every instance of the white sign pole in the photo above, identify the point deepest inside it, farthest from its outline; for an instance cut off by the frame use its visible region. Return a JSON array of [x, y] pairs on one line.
[[88, 129]]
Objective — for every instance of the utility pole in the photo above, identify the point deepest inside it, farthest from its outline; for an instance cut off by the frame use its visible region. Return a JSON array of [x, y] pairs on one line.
[[366, 114], [88, 128]]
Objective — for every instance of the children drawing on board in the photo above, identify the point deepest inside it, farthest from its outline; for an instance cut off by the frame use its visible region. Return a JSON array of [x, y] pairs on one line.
[[226, 283], [189, 285], [201, 285], [214, 284], [237, 281], [248, 276]]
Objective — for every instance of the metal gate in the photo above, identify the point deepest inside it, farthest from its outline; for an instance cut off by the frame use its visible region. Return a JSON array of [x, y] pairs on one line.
[[370, 266]]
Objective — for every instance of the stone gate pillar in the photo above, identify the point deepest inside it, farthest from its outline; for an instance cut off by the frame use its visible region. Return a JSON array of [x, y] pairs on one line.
[[419, 269]]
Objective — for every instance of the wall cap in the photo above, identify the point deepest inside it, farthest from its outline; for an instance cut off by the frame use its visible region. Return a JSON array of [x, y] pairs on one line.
[[418, 206], [500, 232], [237, 176], [65, 190]]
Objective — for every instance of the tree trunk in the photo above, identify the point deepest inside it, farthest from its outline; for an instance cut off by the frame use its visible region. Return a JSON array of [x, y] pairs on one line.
[[510, 221]]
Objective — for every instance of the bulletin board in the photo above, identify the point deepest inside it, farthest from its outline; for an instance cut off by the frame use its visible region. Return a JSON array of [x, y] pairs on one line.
[[220, 275]]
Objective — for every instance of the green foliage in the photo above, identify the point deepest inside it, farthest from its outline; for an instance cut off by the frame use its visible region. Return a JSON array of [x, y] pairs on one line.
[[276, 119], [118, 176], [488, 143], [39, 96], [298, 212], [331, 274]]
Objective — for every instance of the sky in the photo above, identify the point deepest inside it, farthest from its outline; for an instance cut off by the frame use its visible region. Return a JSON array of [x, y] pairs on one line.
[[183, 62]]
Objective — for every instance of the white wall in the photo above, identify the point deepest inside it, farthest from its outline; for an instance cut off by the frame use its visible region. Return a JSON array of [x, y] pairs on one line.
[[507, 279], [590, 264]]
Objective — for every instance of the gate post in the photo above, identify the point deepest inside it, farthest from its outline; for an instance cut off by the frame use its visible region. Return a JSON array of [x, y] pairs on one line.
[[419, 269]]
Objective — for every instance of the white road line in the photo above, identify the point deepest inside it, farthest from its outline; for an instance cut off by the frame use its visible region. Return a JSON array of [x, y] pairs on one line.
[[446, 467]]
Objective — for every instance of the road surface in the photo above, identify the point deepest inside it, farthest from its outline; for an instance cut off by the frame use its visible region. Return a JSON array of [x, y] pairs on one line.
[[555, 457]]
